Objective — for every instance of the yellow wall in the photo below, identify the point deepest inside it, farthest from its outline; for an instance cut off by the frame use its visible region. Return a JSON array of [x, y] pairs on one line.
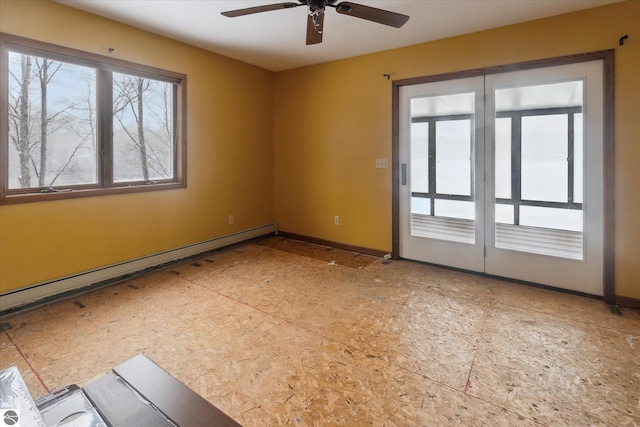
[[230, 160], [333, 120]]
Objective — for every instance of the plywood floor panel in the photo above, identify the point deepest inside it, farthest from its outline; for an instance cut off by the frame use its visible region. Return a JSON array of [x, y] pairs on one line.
[[281, 332], [558, 372], [322, 382], [557, 303], [11, 356], [433, 334]]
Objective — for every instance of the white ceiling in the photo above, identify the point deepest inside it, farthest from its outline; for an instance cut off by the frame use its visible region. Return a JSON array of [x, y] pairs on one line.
[[275, 40]]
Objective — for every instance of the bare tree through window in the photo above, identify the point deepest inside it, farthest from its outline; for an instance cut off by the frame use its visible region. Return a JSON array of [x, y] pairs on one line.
[[143, 142], [79, 124], [51, 123]]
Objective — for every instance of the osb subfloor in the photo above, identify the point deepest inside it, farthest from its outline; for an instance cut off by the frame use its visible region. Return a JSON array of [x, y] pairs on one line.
[[280, 332]]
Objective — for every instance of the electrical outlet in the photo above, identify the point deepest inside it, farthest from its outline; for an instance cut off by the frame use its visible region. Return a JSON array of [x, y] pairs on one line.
[[382, 163], [231, 220], [336, 220]]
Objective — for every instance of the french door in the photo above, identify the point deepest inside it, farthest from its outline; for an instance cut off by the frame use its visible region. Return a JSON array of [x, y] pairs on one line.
[[442, 162], [503, 174]]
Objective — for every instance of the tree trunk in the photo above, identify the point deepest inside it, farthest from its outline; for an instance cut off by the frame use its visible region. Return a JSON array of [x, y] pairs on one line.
[[141, 142], [23, 136], [44, 78]]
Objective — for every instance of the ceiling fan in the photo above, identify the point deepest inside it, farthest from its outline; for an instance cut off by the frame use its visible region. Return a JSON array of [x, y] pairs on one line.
[[315, 19]]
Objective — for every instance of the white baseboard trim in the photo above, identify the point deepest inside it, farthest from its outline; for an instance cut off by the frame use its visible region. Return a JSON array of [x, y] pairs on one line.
[[32, 294]]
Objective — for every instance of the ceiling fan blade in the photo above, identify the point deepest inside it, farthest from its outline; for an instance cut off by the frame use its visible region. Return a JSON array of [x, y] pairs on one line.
[[314, 32], [258, 9], [374, 14]]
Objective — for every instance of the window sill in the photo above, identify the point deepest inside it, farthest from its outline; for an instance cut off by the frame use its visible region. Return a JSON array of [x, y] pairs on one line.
[[76, 193]]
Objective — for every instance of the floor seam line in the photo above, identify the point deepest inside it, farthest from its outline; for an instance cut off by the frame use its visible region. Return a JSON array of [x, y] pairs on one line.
[[27, 362], [473, 361], [237, 301]]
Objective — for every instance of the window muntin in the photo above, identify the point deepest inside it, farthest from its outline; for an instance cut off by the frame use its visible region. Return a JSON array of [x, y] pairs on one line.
[[80, 124]]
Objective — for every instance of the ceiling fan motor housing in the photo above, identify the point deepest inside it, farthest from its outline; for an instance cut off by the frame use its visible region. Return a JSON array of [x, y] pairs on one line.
[[318, 3]]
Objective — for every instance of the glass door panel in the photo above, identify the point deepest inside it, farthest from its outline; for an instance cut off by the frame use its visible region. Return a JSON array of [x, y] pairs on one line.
[[441, 167], [535, 169], [545, 223], [439, 150]]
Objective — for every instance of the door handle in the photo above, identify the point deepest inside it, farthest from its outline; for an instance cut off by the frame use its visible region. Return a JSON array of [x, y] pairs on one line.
[[403, 173]]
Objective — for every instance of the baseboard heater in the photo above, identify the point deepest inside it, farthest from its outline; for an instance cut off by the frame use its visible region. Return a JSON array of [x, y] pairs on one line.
[[43, 292]]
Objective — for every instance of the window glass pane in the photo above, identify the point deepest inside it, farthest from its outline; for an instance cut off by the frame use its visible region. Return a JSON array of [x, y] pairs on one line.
[[544, 158], [52, 123], [453, 157], [504, 214], [443, 105], [560, 219], [420, 157], [578, 156], [142, 129], [455, 209], [554, 95], [503, 157], [421, 205]]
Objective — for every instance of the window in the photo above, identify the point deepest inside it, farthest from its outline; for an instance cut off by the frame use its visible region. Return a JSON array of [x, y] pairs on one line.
[[446, 170], [539, 162], [442, 129], [76, 124]]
